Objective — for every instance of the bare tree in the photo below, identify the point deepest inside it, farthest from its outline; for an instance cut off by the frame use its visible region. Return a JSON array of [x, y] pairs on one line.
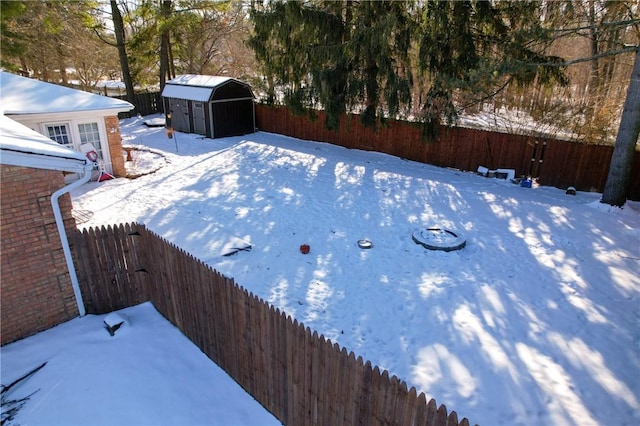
[[616, 188], [118, 27], [165, 13]]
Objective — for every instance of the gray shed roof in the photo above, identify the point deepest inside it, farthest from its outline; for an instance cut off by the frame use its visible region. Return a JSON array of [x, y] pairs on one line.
[[199, 88]]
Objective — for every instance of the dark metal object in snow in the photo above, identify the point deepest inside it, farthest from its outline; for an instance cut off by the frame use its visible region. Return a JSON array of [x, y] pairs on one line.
[[438, 239], [365, 244], [113, 328]]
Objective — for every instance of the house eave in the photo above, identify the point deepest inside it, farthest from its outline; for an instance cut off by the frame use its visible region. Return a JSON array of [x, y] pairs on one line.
[[65, 114], [41, 161]]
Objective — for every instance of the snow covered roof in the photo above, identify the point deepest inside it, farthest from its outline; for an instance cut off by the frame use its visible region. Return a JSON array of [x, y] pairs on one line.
[[199, 88], [198, 94], [21, 146], [199, 80], [22, 95]]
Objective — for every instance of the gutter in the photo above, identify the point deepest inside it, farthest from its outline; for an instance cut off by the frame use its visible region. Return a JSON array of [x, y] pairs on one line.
[[88, 167]]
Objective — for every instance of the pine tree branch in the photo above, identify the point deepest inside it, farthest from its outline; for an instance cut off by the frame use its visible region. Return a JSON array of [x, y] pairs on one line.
[[490, 95], [598, 26], [628, 49]]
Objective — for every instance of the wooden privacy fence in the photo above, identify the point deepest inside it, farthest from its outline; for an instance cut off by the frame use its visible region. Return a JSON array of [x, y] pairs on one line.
[[145, 104], [554, 162], [299, 376]]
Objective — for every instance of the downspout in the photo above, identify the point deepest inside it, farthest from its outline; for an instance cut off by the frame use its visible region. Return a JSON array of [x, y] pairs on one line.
[[63, 233]]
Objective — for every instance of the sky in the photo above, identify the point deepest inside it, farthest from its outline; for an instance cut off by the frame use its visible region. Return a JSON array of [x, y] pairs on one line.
[[535, 321]]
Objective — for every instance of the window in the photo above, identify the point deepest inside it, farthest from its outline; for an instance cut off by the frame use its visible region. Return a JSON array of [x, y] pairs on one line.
[[60, 134], [89, 133]]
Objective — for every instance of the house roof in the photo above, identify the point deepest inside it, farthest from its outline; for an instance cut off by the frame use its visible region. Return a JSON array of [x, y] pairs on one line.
[[21, 146], [200, 88], [22, 95]]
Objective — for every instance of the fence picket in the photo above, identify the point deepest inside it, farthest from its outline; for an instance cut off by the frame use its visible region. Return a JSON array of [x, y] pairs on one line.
[[292, 326], [441, 416], [452, 420], [432, 412], [421, 410], [363, 413]]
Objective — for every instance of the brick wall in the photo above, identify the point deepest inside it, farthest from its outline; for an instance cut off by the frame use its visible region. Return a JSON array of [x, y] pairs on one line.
[[115, 145], [36, 291]]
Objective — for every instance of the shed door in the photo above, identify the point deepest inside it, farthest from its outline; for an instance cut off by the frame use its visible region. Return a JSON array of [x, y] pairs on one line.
[[233, 118], [179, 115], [198, 119]]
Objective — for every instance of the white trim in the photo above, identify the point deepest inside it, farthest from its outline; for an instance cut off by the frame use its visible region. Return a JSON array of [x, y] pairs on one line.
[[60, 116], [38, 161], [220, 101], [213, 129]]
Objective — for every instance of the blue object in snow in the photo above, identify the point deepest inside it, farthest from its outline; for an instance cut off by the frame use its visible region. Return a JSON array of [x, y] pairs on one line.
[[525, 183]]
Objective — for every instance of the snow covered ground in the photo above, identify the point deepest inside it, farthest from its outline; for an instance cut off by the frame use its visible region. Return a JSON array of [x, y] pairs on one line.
[[535, 321], [148, 373]]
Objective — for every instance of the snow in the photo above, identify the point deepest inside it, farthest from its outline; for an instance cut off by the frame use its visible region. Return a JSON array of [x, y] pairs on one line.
[[22, 95], [148, 373], [199, 94], [212, 81], [535, 321], [19, 138]]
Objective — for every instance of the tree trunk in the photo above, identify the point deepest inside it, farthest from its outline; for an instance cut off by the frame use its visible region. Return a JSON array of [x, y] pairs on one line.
[[619, 177], [164, 42], [118, 27]]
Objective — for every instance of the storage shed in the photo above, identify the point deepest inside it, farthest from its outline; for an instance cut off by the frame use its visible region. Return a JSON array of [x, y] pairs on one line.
[[211, 106]]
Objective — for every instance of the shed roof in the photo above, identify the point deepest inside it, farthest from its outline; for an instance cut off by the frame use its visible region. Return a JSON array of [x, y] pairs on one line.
[[22, 95], [199, 80], [199, 88], [198, 94], [21, 146]]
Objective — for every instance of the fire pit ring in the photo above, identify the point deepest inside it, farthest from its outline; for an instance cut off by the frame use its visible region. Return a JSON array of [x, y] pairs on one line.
[[436, 238], [365, 244]]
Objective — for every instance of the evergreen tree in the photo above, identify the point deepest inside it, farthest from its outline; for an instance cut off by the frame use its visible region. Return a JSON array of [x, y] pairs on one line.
[[342, 55], [471, 50], [13, 43], [357, 55]]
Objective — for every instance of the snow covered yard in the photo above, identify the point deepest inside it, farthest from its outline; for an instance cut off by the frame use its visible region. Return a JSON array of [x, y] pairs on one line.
[[148, 373], [535, 321]]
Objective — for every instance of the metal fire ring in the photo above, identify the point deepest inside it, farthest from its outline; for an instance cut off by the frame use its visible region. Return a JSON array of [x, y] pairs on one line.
[[435, 238]]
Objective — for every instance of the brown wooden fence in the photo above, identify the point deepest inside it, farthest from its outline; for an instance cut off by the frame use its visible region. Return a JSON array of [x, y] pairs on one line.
[[145, 104], [554, 162], [299, 376]]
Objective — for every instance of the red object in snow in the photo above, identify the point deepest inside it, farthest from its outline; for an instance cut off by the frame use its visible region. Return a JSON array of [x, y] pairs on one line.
[[304, 248], [104, 176]]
